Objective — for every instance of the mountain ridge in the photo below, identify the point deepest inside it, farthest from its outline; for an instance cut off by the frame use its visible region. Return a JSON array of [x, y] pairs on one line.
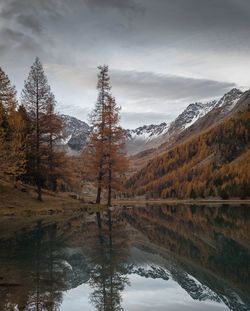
[[213, 162], [153, 136]]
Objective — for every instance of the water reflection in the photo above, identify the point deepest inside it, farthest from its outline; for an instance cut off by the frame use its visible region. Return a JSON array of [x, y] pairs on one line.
[[206, 249], [108, 273], [31, 272], [201, 252]]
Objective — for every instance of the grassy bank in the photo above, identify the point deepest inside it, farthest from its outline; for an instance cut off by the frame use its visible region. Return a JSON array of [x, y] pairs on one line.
[[15, 200]]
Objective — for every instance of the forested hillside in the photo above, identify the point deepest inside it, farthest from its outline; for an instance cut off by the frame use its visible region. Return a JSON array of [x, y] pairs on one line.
[[214, 163]]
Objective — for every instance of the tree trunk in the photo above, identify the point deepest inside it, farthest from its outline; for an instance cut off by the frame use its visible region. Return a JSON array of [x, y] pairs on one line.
[[99, 188], [98, 195], [51, 179], [110, 159], [99, 220], [38, 161], [39, 192], [110, 184]]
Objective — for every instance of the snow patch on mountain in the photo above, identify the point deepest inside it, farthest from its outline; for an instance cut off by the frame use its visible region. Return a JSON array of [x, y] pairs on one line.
[[194, 112], [150, 136], [76, 133], [148, 132], [229, 100]]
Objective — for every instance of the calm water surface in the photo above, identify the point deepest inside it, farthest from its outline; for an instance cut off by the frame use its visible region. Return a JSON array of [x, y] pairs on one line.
[[139, 258]]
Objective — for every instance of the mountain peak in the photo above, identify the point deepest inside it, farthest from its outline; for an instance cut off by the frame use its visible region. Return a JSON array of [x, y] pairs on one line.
[[235, 91], [148, 131], [153, 135], [229, 100], [190, 115], [76, 132]]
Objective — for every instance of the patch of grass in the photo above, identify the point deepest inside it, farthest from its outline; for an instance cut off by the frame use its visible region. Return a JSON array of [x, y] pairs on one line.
[[14, 201]]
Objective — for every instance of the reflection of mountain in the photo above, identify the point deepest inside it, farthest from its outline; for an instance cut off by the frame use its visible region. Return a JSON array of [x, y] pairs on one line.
[[196, 289], [205, 250], [150, 272], [166, 268]]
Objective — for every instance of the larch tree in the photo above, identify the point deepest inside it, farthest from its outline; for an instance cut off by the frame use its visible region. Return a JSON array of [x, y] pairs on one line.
[[16, 145], [12, 136], [54, 128], [97, 139], [7, 92], [3, 142], [36, 97], [115, 158], [7, 100], [106, 158]]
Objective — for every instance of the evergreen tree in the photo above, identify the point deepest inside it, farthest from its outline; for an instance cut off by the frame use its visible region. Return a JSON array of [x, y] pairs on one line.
[[97, 139], [116, 161], [12, 136], [36, 98], [105, 151], [7, 92], [3, 143], [54, 126], [16, 145]]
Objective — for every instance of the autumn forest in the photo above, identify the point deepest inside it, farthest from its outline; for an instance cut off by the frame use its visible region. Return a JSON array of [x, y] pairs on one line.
[[211, 163]]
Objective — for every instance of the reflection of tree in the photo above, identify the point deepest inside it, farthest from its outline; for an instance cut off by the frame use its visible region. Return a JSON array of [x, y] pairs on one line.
[[35, 281], [108, 271], [54, 277], [46, 280]]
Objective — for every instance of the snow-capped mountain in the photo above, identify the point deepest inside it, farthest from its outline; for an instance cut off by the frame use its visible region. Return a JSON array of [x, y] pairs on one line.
[[145, 137], [152, 136], [190, 115], [76, 133], [148, 132], [223, 107], [229, 100], [195, 111]]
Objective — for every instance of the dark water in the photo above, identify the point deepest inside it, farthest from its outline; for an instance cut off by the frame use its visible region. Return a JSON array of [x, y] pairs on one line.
[[142, 258]]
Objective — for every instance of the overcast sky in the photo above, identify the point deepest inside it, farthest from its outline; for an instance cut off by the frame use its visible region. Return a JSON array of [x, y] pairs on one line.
[[162, 54]]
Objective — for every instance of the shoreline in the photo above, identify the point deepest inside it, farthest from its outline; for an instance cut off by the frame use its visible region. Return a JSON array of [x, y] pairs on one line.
[[14, 202], [184, 201]]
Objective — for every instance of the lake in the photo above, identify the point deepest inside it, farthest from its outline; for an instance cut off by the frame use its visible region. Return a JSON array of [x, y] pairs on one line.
[[154, 257]]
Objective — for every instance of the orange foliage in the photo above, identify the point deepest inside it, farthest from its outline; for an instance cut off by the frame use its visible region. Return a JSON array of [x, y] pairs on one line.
[[215, 163]]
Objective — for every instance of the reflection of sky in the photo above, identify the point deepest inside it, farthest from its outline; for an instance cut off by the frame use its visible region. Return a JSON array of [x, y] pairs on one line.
[[144, 294], [77, 299]]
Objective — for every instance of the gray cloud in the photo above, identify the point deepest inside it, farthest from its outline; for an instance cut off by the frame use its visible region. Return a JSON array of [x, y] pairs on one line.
[[153, 85], [153, 98], [111, 4], [12, 8], [12, 35], [162, 54], [18, 40], [29, 21]]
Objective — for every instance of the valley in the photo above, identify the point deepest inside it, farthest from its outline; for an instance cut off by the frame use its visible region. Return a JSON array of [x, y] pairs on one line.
[[195, 131]]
